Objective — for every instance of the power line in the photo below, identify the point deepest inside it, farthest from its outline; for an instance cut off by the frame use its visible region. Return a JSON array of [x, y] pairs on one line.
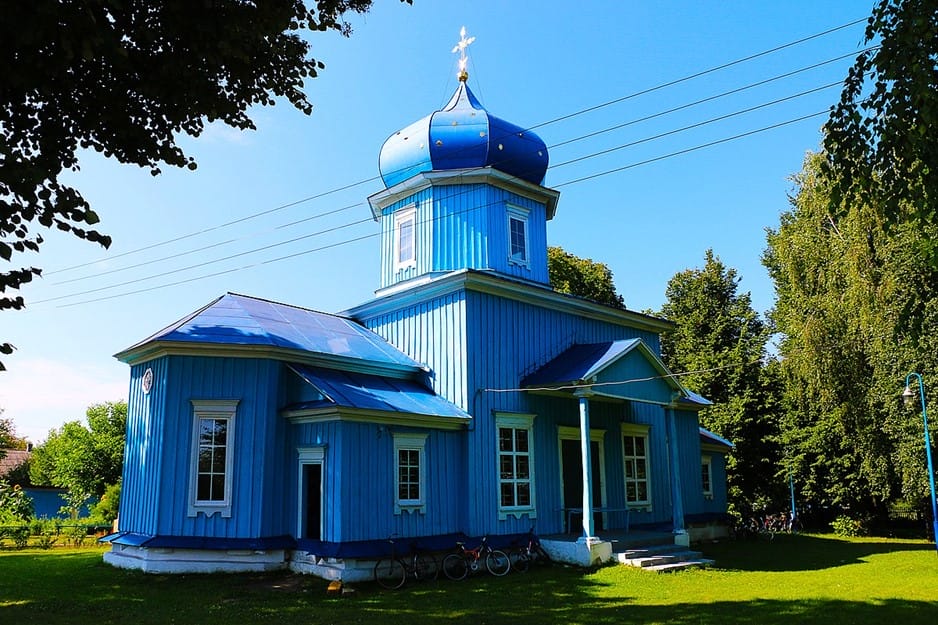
[[542, 124], [552, 167], [354, 240]]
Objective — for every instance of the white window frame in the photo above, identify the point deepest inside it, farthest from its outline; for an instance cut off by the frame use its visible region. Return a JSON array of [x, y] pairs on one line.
[[706, 464], [307, 456], [401, 217], [214, 409], [410, 442], [637, 430], [521, 215], [515, 421]]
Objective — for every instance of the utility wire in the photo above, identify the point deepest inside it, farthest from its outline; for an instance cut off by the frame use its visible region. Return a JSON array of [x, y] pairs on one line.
[[568, 387], [540, 125], [368, 236], [552, 167]]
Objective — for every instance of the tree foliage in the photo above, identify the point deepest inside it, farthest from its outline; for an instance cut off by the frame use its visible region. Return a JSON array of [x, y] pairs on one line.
[[83, 459], [881, 148], [8, 437], [582, 277], [856, 308], [126, 79], [721, 341]]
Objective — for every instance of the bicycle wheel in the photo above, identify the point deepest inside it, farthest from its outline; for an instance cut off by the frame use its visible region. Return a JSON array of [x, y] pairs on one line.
[[497, 562], [455, 567], [520, 561], [390, 573], [426, 568]]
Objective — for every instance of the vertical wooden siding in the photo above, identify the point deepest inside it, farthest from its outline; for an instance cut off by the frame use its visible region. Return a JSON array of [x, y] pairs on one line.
[[143, 447], [359, 486], [257, 449], [464, 226], [434, 333], [507, 340]]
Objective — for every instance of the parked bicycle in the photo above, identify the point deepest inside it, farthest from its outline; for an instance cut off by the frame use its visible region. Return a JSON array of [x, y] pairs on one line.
[[392, 572], [531, 553], [458, 565]]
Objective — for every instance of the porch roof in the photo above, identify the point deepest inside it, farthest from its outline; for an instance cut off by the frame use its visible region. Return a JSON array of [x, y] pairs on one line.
[[624, 369], [362, 391]]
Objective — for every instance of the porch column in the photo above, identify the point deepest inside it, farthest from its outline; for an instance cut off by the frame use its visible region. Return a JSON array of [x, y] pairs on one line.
[[588, 527], [677, 494]]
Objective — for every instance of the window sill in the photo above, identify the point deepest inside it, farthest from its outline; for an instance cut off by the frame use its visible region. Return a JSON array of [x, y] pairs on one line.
[[518, 513], [416, 508]]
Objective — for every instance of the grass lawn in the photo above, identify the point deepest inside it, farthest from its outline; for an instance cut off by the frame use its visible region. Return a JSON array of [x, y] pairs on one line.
[[792, 580]]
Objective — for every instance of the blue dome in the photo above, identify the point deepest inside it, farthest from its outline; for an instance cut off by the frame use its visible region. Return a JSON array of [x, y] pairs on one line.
[[462, 135]]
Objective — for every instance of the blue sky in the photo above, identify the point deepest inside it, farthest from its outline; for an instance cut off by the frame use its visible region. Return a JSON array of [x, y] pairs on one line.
[[576, 63]]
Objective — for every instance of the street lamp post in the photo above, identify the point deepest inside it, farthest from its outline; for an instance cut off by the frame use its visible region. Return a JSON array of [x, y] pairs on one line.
[[908, 396]]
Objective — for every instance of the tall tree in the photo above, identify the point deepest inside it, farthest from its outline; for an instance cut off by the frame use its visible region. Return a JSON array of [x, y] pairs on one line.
[[880, 148], [856, 309], [582, 277], [83, 459], [721, 342], [126, 79]]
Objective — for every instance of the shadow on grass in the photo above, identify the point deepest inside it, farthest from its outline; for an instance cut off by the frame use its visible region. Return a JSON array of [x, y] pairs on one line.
[[78, 589], [801, 552]]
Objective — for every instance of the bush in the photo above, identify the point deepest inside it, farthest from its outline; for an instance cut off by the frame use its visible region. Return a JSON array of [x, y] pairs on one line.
[[15, 505], [849, 527], [106, 509]]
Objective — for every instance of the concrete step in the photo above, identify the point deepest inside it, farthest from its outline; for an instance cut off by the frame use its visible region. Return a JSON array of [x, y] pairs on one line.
[[680, 566], [662, 558]]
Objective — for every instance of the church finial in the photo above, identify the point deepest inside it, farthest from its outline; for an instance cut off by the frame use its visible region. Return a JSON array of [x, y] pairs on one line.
[[461, 48]]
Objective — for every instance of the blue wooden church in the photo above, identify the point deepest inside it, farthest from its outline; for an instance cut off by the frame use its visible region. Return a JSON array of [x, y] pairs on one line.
[[466, 399]]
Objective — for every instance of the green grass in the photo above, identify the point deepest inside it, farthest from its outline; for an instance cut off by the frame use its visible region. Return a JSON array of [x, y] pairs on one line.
[[792, 580]]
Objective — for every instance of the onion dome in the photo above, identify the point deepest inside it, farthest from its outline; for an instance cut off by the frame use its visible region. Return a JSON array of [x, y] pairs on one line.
[[462, 135]]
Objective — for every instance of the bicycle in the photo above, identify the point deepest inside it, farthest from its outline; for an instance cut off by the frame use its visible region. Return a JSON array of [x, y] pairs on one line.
[[392, 572], [532, 552], [458, 565]]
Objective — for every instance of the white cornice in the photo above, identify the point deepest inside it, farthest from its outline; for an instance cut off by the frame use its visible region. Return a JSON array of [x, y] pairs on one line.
[[491, 284], [478, 175], [157, 349], [335, 413]]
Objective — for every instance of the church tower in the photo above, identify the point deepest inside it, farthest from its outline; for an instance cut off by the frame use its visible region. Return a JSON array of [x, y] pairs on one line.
[[463, 192]]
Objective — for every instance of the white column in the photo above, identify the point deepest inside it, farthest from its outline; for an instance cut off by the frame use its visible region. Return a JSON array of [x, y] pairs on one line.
[[677, 491], [588, 527]]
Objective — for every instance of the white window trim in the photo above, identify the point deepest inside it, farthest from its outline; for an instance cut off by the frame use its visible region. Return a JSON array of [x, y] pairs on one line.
[[306, 456], [517, 421], [520, 214], [401, 216], [706, 460], [212, 409], [410, 441], [644, 431]]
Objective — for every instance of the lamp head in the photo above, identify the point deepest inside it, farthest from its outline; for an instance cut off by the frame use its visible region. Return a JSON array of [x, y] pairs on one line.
[[908, 396]]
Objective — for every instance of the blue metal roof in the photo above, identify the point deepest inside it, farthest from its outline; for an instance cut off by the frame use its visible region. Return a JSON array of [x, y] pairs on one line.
[[247, 321], [371, 392], [462, 135], [584, 362], [708, 437], [579, 362]]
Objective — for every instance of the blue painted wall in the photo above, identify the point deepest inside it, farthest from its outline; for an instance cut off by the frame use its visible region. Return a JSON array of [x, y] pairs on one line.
[[465, 226], [157, 465]]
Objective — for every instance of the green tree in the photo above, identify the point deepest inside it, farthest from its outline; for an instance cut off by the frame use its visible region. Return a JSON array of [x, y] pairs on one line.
[[85, 460], [856, 308], [721, 342], [582, 277], [126, 79], [880, 148], [8, 436]]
